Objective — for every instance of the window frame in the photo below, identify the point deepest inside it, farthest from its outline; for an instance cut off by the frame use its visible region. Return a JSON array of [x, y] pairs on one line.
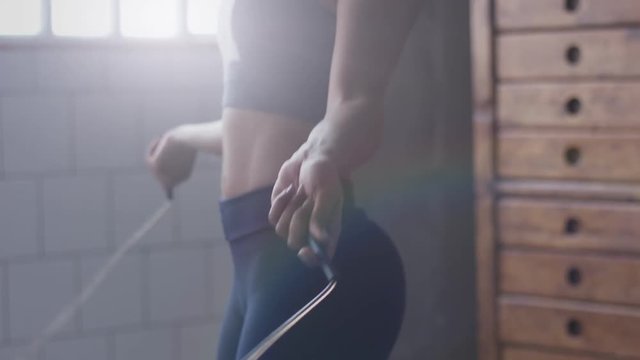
[[46, 36]]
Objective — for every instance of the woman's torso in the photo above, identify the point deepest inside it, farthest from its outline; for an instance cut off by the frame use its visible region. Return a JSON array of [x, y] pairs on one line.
[[277, 63], [255, 145]]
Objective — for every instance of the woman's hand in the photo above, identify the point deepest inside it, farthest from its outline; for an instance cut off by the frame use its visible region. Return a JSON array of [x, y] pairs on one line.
[[307, 197], [170, 160], [307, 201]]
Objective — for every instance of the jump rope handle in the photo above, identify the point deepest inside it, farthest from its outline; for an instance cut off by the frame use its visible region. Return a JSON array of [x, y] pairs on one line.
[[325, 263]]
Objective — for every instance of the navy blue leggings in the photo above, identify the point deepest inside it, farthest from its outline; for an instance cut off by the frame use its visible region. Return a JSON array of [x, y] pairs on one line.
[[359, 320]]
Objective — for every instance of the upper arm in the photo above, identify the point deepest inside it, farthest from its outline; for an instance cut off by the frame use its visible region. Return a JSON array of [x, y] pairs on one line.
[[370, 35]]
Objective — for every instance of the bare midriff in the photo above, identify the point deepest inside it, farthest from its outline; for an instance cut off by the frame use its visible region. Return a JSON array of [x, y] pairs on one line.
[[255, 146]]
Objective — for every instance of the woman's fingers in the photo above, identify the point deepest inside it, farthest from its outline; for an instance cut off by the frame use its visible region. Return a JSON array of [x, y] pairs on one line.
[[291, 211], [153, 146], [308, 257], [282, 226], [307, 201], [319, 218], [279, 203], [287, 176], [151, 152], [282, 184], [299, 226], [283, 191], [326, 217], [170, 161]]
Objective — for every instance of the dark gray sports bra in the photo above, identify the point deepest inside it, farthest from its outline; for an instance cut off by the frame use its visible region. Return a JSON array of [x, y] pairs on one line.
[[281, 57]]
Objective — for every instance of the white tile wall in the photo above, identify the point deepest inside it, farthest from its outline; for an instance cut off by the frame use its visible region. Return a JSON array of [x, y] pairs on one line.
[[4, 306], [157, 344], [84, 348], [18, 218], [13, 352], [198, 202], [118, 300], [177, 284], [17, 70], [75, 213], [36, 133], [137, 195], [74, 124], [36, 292], [107, 132], [198, 342], [222, 278], [72, 69]]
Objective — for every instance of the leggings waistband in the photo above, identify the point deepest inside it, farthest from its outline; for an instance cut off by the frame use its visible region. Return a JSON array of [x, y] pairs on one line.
[[245, 214], [249, 213]]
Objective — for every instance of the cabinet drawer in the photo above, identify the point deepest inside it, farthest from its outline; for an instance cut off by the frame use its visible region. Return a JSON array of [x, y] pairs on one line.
[[611, 105], [570, 325], [522, 354], [523, 14], [600, 278], [586, 53], [569, 224], [569, 156]]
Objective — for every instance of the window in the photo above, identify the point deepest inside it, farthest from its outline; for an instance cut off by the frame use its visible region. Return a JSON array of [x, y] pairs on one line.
[[108, 18], [81, 17], [20, 17], [159, 16], [202, 16]]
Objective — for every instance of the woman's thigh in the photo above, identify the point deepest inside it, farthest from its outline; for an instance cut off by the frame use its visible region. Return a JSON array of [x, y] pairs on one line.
[[231, 328]]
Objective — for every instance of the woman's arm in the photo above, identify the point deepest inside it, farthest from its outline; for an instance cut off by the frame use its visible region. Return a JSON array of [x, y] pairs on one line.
[[205, 137], [171, 157], [370, 35], [307, 197]]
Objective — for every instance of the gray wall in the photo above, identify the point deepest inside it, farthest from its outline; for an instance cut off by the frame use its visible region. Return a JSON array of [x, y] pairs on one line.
[[419, 186], [74, 123]]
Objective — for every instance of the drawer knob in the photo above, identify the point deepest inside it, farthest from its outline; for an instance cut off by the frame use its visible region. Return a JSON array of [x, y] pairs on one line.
[[571, 226], [573, 106], [571, 5], [574, 327], [574, 276], [572, 55], [572, 155]]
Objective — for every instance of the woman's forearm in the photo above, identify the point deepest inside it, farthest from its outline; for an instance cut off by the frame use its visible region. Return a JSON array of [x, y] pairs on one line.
[[370, 35], [350, 133], [206, 137]]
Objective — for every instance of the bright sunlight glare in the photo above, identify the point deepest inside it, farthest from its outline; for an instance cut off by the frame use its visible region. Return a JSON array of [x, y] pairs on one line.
[[202, 16], [84, 18], [20, 17], [149, 18]]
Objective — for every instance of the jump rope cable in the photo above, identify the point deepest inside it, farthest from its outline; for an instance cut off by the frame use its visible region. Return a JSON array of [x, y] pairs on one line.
[[276, 334], [67, 312]]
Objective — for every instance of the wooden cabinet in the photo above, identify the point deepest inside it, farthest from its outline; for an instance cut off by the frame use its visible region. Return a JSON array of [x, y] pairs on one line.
[[600, 278], [568, 54], [528, 354], [556, 14], [569, 325], [566, 225], [577, 155], [583, 105], [557, 165]]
